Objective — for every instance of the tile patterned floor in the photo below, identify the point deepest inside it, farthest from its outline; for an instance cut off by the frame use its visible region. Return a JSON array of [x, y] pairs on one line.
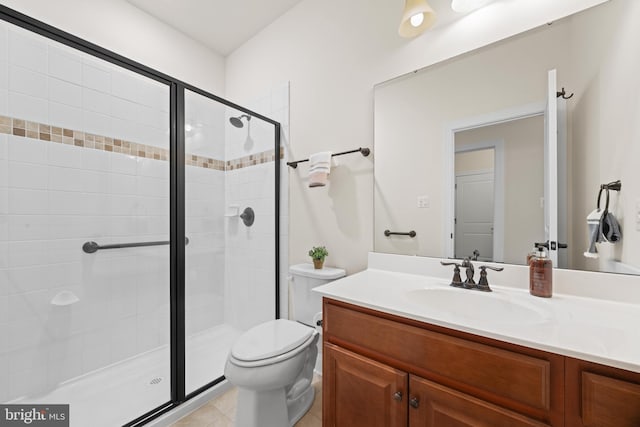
[[221, 411]]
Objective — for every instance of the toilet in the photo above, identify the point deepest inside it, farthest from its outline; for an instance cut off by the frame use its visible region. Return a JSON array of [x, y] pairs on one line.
[[272, 363]]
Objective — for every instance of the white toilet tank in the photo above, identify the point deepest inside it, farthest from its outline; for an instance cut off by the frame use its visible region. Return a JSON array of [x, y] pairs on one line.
[[304, 277]]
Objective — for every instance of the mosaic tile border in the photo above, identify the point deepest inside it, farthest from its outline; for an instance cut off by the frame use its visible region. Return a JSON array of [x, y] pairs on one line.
[[43, 132], [254, 159]]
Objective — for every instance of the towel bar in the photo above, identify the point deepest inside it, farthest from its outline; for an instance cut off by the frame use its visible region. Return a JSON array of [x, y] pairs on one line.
[[365, 152]]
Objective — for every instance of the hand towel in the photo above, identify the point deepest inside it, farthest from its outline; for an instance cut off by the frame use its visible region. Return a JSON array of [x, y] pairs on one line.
[[319, 168], [603, 227], [593, 225]]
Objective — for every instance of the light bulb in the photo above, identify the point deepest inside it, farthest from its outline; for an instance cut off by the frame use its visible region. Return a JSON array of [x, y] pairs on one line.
[[417, 19]]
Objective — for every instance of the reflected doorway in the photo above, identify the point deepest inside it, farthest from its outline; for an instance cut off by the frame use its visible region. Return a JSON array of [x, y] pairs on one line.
[[474, 206]]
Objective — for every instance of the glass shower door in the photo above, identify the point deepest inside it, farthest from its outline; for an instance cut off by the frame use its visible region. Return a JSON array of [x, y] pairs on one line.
[[230, 219], [84, 187]]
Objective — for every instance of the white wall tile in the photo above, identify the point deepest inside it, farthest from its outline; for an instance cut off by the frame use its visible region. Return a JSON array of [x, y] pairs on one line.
[[4, 233], [96, 160], [96, 101], [152, 187], [98, 124], [4, 43], [65, 156], [28, 107], [123, 339], [66, 179], [95, 182], [122, 204], [4, 309], [152, 168], [65, 116], [121, 184], [65, 202], [4, 173], [154, 137], [64, 359], [4, 102], [22, 254], [4, 75], [96, 349], [65, 65], [96, 78], [28, 227], [4, 255], [70, 226], [28, 202], [64, 92], [125, 109], [27, 50], [123, 164], [28, 305], [124, 129], [125, 85], [28, 150], [28, 175], [67, 250]]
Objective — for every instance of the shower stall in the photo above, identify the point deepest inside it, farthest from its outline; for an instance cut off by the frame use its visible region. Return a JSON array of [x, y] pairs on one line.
[[127, 263]]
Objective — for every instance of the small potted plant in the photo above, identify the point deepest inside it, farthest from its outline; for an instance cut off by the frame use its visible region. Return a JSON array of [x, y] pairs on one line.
[[318, 254]]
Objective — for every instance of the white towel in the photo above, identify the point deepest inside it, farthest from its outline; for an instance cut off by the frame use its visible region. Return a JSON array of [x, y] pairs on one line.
[[319, 168]]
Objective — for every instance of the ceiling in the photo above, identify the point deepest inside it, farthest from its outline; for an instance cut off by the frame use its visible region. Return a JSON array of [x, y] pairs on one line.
[[224, 25]]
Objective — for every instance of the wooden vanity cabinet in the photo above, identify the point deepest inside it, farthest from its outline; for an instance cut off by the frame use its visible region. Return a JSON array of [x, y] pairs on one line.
[[601, 396], [445, 378]]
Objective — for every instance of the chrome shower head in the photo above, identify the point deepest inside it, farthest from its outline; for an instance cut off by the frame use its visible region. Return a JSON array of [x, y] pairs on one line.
[[237, 121]]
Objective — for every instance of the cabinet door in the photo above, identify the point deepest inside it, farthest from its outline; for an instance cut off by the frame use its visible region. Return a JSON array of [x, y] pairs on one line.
[[601, 396], [359, 392], [434, 405]]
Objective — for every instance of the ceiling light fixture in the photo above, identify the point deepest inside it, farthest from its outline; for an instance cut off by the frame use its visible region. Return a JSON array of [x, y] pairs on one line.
[[417, 17], [464, 6]]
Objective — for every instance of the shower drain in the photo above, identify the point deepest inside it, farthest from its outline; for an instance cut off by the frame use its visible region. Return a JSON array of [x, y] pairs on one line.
[[156, 380]]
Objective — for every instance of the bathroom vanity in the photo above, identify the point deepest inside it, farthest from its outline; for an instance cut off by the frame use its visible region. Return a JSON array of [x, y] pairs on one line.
[[393, 358]]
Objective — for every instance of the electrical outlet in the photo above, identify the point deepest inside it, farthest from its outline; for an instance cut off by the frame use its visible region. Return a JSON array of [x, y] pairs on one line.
[[423, 202]]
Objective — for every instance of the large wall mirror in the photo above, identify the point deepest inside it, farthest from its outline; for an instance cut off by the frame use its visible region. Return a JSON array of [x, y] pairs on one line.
[[463, 154]]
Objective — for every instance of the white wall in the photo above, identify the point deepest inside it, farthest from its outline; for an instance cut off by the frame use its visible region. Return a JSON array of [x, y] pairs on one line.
[[333, 53], [120, 27]]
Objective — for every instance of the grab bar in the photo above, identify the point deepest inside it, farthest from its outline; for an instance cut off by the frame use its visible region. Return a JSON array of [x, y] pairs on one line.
[[91, 247], [398, 233]]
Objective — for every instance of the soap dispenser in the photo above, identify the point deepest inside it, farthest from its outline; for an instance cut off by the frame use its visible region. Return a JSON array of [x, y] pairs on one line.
[[541, 274]]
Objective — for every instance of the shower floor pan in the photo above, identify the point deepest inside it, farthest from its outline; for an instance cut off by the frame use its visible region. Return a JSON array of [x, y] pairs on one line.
[[117, 394]]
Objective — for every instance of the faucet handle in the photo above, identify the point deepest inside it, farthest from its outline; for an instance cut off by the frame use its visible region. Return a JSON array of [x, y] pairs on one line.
[[483, 283], [456, 281]]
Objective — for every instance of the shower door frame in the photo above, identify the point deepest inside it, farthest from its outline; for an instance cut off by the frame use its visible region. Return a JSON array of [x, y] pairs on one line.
[[176, 196]]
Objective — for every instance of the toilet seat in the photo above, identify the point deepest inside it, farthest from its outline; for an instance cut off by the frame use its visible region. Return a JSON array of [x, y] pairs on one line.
[[271, 342]]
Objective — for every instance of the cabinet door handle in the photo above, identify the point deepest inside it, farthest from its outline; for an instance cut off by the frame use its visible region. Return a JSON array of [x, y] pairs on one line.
[[397, 396], [414, 402]]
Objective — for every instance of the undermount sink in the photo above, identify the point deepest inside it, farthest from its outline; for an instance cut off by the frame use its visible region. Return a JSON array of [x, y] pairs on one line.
[[473, 305]]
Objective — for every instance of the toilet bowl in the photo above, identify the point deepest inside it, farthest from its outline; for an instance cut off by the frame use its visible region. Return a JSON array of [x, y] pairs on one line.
[[272, 366]]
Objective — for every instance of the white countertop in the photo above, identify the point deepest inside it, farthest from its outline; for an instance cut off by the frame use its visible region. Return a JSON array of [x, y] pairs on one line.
[[597, 330]]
